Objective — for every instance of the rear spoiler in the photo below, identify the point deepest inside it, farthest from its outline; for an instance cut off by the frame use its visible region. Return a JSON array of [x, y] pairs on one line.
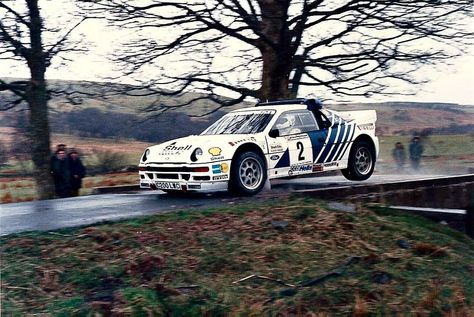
[[359, 115]]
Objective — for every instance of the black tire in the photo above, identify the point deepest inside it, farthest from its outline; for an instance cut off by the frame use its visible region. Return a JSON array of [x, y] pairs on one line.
[[248, 174], [361, 162]]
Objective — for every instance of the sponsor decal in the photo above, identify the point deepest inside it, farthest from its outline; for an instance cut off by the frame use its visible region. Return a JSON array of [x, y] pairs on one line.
[[276, 148], [274, 157], [217, 158], [215, 151], [220, 177], [317, 168], [172, 149], [234, 143], [220, 168], [300, 168], [224, 167], [366, 126], [331, 164], [216, 169], [297, 137]]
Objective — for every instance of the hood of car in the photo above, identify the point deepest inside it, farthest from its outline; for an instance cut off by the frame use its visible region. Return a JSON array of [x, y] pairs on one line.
[[214, 147]]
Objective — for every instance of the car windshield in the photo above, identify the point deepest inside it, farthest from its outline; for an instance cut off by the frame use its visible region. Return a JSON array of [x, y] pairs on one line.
[[240, 123]]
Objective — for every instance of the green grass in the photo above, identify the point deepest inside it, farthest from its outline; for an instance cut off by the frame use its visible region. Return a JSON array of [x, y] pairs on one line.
[[442, 154], [435, 145], [187, 264]]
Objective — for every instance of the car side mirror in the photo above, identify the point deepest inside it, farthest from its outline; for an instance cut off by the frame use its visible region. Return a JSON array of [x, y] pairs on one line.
[[274, 133]]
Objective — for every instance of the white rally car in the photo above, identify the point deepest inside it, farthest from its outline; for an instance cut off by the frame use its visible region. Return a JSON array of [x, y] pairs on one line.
[[276, 139]]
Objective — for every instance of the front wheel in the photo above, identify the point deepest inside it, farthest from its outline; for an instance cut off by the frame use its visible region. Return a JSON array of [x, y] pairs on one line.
[[247, 174], [361, 162]]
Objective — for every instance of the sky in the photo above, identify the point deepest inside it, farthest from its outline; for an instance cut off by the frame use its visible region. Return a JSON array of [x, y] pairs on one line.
[[450, 84]]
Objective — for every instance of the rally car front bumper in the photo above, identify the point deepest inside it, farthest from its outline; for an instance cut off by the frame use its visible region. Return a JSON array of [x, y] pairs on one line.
[[210, 177]]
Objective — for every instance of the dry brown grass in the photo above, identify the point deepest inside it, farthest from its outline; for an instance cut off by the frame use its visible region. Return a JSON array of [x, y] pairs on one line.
[[6, 198], [21, 189], [192, 260]]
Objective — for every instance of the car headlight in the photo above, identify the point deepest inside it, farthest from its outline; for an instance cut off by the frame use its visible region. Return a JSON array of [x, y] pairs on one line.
[[145, 155], [196, 154]]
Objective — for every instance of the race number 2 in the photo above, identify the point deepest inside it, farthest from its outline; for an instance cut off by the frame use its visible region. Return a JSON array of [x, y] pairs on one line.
[[300, 148]]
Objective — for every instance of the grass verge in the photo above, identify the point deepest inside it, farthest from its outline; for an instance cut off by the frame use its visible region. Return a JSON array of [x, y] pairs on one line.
[[299, 258]]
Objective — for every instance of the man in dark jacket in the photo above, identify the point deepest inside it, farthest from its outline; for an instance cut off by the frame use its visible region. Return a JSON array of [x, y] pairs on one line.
[[61, 175], [416, 149], [77, 171], [399, 156]]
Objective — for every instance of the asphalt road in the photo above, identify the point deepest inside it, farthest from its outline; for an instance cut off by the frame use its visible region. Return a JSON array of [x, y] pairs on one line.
[[78, 211]]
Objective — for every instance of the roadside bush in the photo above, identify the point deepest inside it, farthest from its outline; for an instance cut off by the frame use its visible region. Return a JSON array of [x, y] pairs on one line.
[[105, 162]]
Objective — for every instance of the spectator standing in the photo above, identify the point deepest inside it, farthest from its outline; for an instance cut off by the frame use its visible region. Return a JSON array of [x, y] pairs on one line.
[[416, 150], [77, 172], [399, 155], [61, 175], [54, 157]]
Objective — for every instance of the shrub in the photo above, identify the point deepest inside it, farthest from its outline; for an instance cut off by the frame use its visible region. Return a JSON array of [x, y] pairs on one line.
[[105, 162]]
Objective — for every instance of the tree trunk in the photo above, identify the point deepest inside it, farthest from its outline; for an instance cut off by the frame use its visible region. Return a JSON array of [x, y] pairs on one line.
[[40, 140], [38, 103], [298, 70], [275, 49], [275, 77]]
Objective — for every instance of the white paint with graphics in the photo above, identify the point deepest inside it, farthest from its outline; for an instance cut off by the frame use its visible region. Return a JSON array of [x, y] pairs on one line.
[[189, 163], [300, 149]]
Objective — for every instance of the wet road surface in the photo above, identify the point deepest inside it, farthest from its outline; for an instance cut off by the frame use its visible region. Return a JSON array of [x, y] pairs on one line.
[[78, 211]]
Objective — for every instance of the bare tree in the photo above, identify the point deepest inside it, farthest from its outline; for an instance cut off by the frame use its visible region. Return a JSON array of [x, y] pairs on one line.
[[273, 48], [22, 39]]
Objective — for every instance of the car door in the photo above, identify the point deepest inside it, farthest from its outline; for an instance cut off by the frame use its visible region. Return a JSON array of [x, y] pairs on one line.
[[291, 152], [338, 136], [319, 140]]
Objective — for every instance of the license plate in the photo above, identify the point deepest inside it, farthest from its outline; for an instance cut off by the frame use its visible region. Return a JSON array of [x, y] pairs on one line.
[[167, 185]]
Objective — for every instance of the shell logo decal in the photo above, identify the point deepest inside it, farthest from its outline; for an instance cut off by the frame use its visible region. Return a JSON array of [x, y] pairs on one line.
[[224, 167], [215, 151]]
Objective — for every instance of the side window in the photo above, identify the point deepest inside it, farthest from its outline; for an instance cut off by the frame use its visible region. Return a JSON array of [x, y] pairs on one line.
[[294, 122], [308, 120], [324, 118]]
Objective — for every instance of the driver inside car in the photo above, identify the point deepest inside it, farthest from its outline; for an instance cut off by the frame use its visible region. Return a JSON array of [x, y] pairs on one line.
[[286, 125]]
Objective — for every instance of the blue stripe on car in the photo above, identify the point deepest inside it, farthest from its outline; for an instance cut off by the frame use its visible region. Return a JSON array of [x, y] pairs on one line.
[[329, 143], [339, 141], [344, 142], [317, 145], [348, 142]]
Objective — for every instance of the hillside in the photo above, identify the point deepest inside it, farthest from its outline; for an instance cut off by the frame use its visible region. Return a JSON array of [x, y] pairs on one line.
[[393, 117]]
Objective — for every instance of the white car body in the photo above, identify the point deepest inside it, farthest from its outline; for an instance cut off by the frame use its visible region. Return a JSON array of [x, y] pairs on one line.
[[304, 145]]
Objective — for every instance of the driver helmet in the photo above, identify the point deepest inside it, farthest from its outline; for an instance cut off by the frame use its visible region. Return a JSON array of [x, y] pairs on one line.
[[285, 122]]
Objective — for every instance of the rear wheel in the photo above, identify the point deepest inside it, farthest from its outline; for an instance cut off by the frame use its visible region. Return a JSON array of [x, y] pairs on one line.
[[361, 162], [247, 174]]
